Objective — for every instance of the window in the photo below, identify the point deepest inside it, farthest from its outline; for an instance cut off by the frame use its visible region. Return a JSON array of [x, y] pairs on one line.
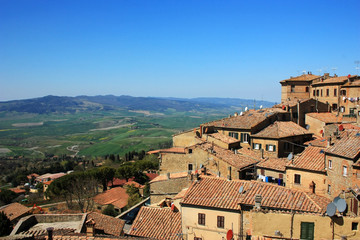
[[190, 167], [330, 164], [257, 146], [270, 148], [327, 92], [342, 92], [334, 107], [220, 221], [352, 111], [234, 135], [314, 93], [286, 146], [307, 230], [292, 88], [197, 238], [335, 92], [317, 92], [190, 151], [297, 178], [262, 172], [342, 109], [344, 171], [321, 93], [354, 226], [201, 218], [329, 189], [306, 89], [245, 138]]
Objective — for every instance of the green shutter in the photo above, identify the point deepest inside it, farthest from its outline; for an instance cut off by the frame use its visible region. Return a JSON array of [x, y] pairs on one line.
[[307, 230], [274, 148], [259, 146], [267, 147]]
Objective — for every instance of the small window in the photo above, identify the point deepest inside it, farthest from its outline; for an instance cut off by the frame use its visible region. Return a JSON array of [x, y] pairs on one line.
[[257, 146], [321, 93], [343, 92], [335, 92], [306, 89], [190, 151], [201, 218], [314, 93], [292, 88], [329, 189], [197, 238], [245, 138], [220, 221], [270, 148], [344, 171], [330, 164], [342, 109], [317, 92], [190, 167], [354, 226], [327, 92], [297, 179]]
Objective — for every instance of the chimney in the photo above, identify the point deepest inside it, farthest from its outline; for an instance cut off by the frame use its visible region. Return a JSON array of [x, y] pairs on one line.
[[50, 231], [326, 75], [257, 200], [90, 227]]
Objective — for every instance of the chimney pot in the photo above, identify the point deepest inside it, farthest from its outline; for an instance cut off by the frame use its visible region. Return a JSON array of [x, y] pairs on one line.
[[50, 231]]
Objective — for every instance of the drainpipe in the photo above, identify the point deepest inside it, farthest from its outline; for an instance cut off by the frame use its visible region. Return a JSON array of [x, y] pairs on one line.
[[298, 110], [292, 224], [241, 223]]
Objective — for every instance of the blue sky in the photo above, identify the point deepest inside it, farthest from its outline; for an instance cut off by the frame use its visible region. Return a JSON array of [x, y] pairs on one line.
[[171, 48]]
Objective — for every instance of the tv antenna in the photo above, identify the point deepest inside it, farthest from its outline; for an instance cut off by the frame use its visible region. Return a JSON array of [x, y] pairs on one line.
[[357, 62], [304, 72], [334, 69]]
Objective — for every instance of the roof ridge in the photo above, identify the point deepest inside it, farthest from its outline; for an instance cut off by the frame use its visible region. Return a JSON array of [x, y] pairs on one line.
[[314, 202]]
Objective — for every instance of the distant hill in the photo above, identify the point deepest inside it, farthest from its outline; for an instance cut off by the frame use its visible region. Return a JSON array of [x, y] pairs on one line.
[[56, 104]]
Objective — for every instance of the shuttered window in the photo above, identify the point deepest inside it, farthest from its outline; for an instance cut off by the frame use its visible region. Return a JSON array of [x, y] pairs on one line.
[[307, 230]]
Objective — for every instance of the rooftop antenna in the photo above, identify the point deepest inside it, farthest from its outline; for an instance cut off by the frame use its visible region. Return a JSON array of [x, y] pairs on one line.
[[334, 69], [320, 71], [357, 62], [304, 72]]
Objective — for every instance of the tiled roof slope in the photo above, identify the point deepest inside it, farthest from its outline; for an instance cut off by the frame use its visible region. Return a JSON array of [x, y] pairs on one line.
[[278, 164], [248, 120], [14, 210], [312, 158], [116, 196], [281, 130], [110, 225], [238, 161], [334, 80], [304, 77], [224, 138], [224, 194], [330, 118], [291, 102], [157, 223], [168, 150], [317, 142], [348, 146]]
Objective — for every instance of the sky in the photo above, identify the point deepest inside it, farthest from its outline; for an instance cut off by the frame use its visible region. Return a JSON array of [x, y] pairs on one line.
[[187, 49]]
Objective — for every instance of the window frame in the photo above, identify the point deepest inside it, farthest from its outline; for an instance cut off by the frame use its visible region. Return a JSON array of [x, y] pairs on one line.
[[297, 179], [330, 164], [192, 167], [201, 219], [220, 221], [345, 171]]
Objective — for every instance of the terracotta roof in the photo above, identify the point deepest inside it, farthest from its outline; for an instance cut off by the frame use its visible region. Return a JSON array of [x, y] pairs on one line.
[[151, 176], [248, 120], [334, 80], [14, 210], [224, 138], [317, 142], [278, 164], [238, 161], [304, 77], [281, 130], [172, 176], [133, 183], [32, 175], [355, 83], [109, 225], [348, 146], [292, 102], [48, 182], [347, 126], [329, 117], [157, 223], [224, 194], [168, 150], [50, 175], [116, 196], [312, 158], [17, 190], [181, 194]]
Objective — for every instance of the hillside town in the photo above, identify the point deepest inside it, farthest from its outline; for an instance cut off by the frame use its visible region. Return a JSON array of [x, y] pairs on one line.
[[287, 172]]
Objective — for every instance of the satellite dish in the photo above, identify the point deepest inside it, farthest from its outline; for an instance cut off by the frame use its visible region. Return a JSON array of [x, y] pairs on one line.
[[241, 189], [341, 205], [335, 200], [246, 108], [307, 126], [331, 209], [241, 113], [261, 106], [290, 156]]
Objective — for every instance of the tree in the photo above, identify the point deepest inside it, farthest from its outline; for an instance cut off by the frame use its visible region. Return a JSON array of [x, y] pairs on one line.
[[134, 195], [7, 196], [5, 225], [126, 172], [110, 211]]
